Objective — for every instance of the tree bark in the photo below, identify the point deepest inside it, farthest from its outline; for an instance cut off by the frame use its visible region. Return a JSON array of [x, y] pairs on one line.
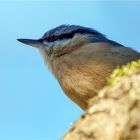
[[112, 115]]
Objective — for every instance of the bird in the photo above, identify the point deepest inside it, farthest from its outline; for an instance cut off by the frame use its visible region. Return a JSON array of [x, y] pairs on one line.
[[81, 59]]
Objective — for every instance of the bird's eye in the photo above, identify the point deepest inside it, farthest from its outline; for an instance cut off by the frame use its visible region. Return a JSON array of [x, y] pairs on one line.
[[48, 39], [54, 38], [51, 38]]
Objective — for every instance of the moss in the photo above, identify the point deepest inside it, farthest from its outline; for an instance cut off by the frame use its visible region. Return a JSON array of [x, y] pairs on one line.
[[123, 70]]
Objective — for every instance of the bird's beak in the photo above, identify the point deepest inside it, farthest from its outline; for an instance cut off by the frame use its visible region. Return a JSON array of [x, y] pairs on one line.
[[31, 42]]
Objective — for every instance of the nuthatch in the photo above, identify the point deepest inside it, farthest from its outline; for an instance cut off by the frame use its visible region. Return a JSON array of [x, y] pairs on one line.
[[81, 59]]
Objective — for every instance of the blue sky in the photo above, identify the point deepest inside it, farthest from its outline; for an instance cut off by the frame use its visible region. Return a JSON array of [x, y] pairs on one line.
[[32, 104]]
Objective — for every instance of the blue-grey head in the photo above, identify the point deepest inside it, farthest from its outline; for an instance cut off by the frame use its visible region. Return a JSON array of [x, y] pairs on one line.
[[66, 38]]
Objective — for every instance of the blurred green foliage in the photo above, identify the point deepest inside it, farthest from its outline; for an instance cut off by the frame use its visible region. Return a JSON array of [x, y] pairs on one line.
[[123, 70]]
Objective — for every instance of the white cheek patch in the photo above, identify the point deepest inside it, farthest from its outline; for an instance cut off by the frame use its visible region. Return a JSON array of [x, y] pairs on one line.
[[62, 43], [57, 43], [48, 44]]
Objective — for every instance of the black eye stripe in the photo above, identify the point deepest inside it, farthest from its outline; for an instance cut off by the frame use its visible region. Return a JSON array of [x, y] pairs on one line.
[[61, 37], [51, 38], [66, 36]]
